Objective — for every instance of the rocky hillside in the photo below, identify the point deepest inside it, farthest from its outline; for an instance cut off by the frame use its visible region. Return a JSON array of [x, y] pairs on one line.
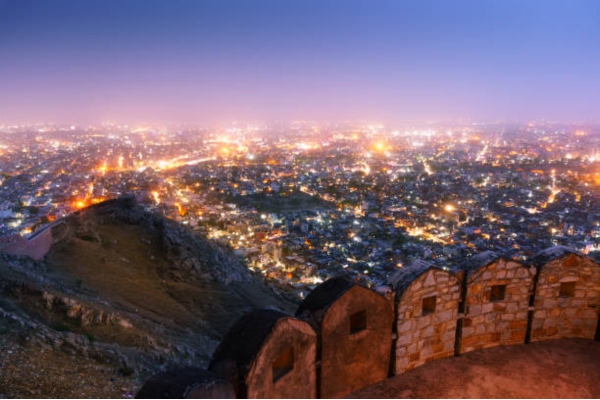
[[122, 294]]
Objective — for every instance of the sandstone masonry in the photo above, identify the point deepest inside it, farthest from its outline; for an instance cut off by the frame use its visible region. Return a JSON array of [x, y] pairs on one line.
[[567, 297], [427, 307], [497, 302], [341, 340]]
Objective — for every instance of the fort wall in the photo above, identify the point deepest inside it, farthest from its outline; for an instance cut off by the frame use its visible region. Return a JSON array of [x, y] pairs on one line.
[[341, 339], [35, 247]]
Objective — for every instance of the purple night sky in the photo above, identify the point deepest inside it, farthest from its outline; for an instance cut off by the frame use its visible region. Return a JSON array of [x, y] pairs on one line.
[[198, 61]]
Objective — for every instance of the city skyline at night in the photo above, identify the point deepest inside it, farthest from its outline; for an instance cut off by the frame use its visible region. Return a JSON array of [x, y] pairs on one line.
[[386, 61]]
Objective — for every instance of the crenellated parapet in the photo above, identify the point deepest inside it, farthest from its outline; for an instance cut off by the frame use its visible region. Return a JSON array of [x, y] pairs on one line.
[[346, 336]]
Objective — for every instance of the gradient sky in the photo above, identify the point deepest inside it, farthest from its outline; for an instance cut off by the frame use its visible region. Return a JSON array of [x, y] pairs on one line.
[[131, 61]]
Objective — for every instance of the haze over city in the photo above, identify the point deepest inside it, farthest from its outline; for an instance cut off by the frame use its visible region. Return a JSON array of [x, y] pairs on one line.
[[260, 61], [299, 198]]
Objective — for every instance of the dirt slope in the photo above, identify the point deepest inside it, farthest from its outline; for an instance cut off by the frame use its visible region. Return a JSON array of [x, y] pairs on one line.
[[123, 294]]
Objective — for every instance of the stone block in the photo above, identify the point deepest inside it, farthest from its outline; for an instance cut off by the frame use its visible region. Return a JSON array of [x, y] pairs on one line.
[[401, 364], [490, 318], [502, 325], [517, 337], [499, 307], [439, 328], [468, 331], [550, 303], [507, 317], [427, 332], [539, 314], [405, 326], [449, 336], [578, 303], [449, 346], [522, 273], [543, 292], [427, 352], [521, 315], [404, 339], [487, 308], [468, 342], [443, 316], [514, 292], [518, 324], [550, 322], [474, 309], [424, 322], [555, 312]]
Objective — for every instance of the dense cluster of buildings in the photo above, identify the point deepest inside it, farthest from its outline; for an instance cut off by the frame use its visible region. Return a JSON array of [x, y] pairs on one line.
[[300, 203]]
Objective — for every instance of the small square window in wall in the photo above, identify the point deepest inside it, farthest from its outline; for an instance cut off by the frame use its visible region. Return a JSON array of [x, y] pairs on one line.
[[428, 304], [497, 293], [358, 322], [283, 364], [567, 289]]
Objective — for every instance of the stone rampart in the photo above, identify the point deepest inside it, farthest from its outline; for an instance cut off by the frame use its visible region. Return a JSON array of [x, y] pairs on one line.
[[490, 301]]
